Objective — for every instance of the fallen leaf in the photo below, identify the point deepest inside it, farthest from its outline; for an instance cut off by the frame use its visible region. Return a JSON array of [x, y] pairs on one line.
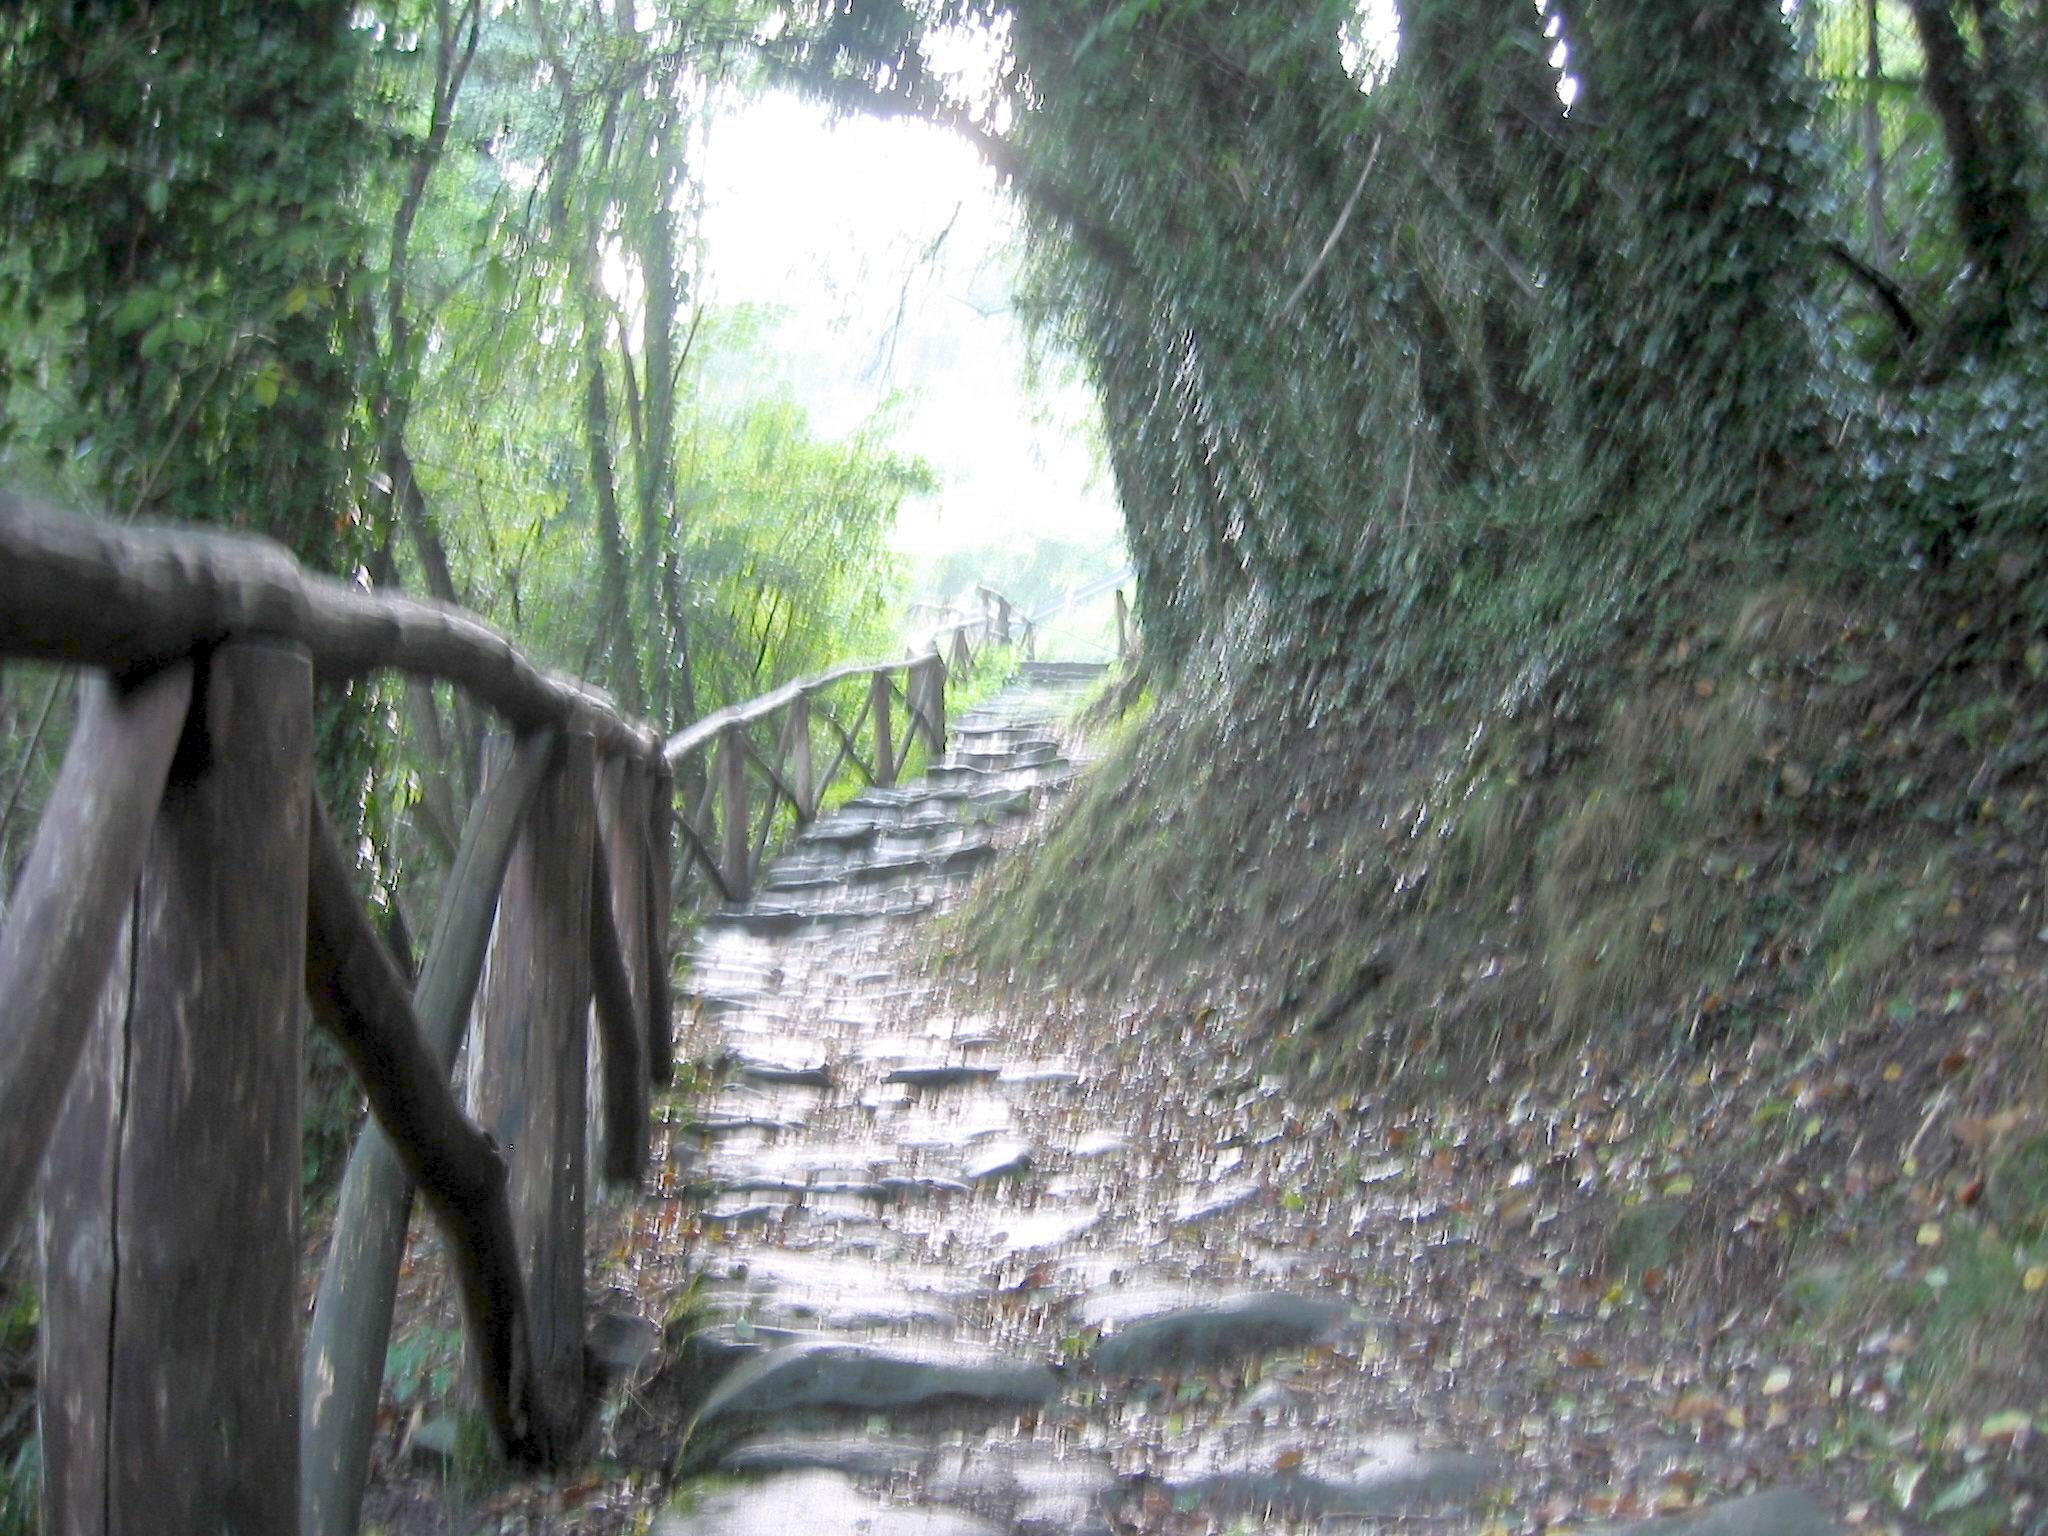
[[1963, 1492], [1696, 1406], [1929, 1235], [1778, 1380], [1906, 1483], [2009, 1425]]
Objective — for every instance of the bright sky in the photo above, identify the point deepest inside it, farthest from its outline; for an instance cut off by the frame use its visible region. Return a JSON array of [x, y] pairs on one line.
[[831, 222]]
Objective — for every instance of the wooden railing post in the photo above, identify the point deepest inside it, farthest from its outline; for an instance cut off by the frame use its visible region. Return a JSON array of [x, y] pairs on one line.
[[345, 1344], [1123, 636], [618, 1086], [1002, 620], [736, 834], [661, 842], [885, 747], [800, 757], [931, 693], [170, 1234], [71, 904], [963, 659], [529, 1062]]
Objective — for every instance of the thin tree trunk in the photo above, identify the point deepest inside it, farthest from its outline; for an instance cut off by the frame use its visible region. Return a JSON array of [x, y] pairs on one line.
[[1882, 256], [1990, 207]]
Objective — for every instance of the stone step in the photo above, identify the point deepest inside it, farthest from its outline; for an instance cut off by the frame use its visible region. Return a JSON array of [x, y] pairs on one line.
[[813, 1503], [1169, 1330], [786, 1383], [1056, 673]]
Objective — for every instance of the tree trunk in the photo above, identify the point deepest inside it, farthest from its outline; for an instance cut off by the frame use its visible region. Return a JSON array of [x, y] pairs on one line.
[[1882, 256], [1991, 214]]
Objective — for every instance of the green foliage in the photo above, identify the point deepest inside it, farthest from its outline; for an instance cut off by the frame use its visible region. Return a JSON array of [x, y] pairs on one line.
[[1412, 349], [421, 1367]]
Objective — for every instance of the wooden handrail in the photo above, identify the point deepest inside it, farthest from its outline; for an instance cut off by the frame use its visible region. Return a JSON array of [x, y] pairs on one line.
[[131, 599], [703, 732]]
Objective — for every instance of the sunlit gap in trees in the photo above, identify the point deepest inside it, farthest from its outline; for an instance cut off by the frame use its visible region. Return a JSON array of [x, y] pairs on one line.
[[1370, 42], [880, 260]]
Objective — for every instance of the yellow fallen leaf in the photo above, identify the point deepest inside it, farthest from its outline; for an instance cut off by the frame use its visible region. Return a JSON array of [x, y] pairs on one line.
[[1696, 1405], [1681, 1184], [1929, 1235], [2035, 1279], [1777, 1381]]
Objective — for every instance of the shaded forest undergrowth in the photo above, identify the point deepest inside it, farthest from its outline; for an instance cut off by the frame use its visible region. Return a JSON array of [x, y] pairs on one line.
[[1707, 979]]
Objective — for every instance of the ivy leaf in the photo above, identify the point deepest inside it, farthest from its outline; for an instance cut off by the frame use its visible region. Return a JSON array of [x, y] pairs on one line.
[[137, 309]]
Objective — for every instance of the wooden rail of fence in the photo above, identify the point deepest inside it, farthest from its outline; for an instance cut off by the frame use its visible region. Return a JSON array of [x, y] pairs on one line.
[[185, 891], [782, 752]]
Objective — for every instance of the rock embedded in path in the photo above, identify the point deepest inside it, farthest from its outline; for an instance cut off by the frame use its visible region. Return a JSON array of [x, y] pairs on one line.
[[1030, 1488], [1778, 1512], [1226, 1195], [817, 1503], [1099, 1144], [999, 1160], [1390, 1475], [620, 1342], [847, 1455], [1153, 1329], [785, 1074], [870, 1376], [1039, 1074], [939, 1074]]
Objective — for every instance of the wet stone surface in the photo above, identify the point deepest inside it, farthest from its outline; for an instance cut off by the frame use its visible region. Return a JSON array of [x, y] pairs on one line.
[[920, 1271]]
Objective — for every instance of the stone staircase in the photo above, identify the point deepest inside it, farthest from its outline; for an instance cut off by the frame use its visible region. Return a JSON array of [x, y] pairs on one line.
[[927, 1272]]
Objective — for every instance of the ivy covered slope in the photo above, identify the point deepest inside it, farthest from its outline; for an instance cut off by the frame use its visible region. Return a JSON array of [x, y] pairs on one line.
[[1591, 563]]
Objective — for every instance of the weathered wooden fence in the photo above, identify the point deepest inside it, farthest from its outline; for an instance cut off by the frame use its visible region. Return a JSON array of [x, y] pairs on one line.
[[778, 755], [186, 897]]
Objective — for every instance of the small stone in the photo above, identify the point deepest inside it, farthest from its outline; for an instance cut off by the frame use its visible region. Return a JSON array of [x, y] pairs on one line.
[[622, 1342], [1214, 1201], [932, 1074], [437, 1442], [1099, 1144], [999, 1160]]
